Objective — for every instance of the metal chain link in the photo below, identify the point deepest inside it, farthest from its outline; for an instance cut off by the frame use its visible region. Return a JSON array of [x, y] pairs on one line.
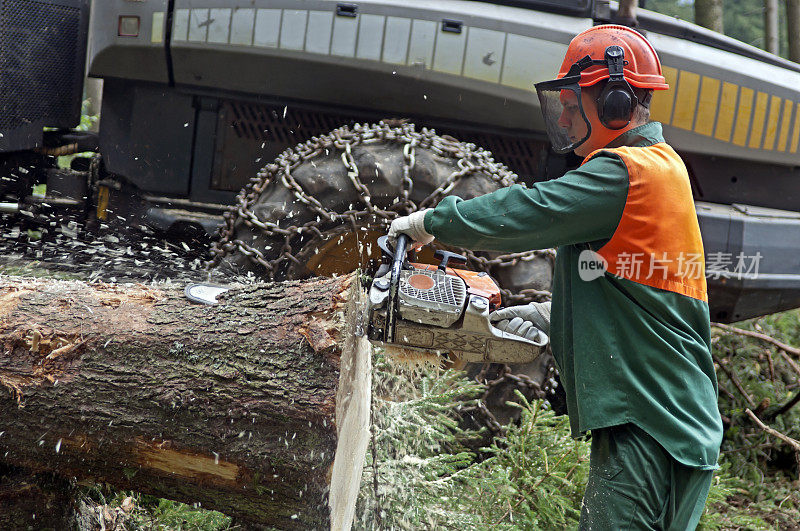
[[522, 382], [470, 159]]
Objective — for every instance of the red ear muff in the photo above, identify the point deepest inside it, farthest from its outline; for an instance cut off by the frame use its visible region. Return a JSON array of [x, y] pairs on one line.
[[616, 102]]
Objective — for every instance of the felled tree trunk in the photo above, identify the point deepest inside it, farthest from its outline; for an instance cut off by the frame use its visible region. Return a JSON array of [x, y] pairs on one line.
[[38, 501], [257, 407]]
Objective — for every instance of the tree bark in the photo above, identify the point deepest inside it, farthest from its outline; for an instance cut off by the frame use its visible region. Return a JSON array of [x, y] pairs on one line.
[[708, 13], [771, 26], [33, 500], [793, 29], [257, 407]]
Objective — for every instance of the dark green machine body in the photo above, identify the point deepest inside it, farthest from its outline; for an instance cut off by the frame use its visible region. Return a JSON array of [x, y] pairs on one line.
[[199, 94]]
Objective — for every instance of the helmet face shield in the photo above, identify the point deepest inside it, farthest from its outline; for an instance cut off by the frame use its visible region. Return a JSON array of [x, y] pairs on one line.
[[564, 117]]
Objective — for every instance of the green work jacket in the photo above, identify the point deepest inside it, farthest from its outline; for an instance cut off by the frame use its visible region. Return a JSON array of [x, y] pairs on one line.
[[626, 352]]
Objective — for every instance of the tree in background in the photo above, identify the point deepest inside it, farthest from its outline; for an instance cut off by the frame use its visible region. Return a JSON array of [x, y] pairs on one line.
[[626, 12], [771, 26], [793, 28], [708, 13], [743, 20]]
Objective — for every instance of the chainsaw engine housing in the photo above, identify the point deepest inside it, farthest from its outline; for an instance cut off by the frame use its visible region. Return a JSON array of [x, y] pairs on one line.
[[440, 310], [431, 297]]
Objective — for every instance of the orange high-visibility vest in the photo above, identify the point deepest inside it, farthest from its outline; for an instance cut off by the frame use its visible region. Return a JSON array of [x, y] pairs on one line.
[[657, 242]]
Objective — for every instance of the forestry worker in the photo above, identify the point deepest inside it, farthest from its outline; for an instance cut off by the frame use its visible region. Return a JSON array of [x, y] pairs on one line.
[[631, 338]]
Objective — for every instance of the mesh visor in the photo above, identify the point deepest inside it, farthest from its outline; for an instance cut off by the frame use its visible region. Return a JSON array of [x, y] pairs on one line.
[[563, 113]]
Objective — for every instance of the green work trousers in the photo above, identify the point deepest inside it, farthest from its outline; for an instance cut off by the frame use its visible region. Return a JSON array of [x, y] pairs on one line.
[[634, 483]]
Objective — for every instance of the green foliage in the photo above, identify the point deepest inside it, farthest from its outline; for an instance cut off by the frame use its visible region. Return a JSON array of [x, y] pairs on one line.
[[743, 19], [759, 470], [733, 504], [34, 269], [536, 476], [425, 478], [178, 516], [770, 381], [722, 514], [414, 458], [87, 121], [151, 514]]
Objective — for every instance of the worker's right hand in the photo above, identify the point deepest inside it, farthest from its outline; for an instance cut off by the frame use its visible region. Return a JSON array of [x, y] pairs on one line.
[[413, 226], [523, 320]]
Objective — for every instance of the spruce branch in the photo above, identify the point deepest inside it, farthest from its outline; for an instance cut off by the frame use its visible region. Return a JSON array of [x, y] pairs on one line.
[[732, 377], [775, 433], [758, 335], [793, 364]]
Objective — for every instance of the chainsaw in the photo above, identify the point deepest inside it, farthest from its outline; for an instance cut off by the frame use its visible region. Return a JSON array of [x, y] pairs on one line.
[[440, 309]]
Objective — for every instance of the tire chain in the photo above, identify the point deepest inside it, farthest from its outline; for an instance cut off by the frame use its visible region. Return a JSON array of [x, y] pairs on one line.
[[522, 382], [469, 159]]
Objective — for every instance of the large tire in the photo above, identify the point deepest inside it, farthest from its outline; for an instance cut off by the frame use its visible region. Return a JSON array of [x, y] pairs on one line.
[[304, 215], [331, 223]]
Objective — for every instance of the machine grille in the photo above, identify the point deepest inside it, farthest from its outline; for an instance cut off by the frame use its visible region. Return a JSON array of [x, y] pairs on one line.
[[41, 70], [446, 289], [248, 128], [282, 125]]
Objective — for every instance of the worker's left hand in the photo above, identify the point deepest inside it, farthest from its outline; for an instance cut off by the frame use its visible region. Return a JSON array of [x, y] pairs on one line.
[[523, 320], [413, 226]]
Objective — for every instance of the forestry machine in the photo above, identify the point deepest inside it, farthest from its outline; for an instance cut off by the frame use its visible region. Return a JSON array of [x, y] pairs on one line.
[[295, 130]]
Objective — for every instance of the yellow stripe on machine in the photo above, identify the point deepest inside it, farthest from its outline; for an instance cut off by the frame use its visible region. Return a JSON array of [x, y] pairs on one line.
[[772, 123], [661, 106], [796, 132], [710, 107], [785, 121], [684, 113], [727, 110], [743, 116], [707, 108], [759, 114]]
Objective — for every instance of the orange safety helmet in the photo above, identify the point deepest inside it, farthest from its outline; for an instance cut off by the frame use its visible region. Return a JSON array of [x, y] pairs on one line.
[[622, 58], [642, 68]]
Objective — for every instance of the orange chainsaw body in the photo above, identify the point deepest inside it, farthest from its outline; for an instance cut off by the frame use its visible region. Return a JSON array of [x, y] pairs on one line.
[[478, 282]]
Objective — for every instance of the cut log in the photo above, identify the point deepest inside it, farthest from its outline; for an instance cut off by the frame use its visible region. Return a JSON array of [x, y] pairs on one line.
[[257, 407], [34, 501]]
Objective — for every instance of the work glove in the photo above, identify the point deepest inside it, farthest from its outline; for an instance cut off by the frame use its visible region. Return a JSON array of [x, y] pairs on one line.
[[525, 320], [413, 226]]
